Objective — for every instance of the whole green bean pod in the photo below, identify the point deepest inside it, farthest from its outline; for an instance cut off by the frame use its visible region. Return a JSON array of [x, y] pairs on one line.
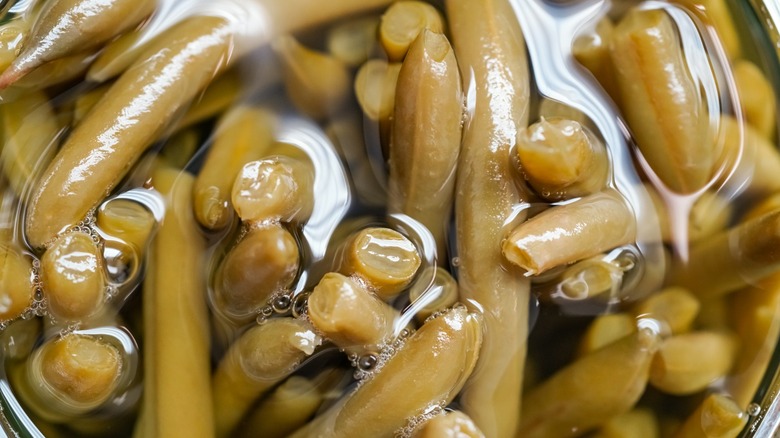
[[426, 135], [491, 56], [67, 27], [147, 97]]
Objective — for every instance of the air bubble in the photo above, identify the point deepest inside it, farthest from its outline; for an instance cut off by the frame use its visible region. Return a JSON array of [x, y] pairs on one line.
[[455, 261], [261, 319], [299, 305], [267, 311], [367, 362], [753, 409], [281, 304]]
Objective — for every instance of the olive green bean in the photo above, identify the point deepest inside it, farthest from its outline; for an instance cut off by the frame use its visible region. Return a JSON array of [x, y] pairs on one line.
[[591, 390], [718, 13], [128, 221], [276, 188], [451, 424], [571, 232], [349, 315], [243, 134], [606, 329], [439, 295], [668, 122], [86, 101], [285, 410], [675, 307], [317, 83], [486, 199], [263, 263], [731, 259], [716, 417], [220, 94], [756, 97], [426, 134], [384, 259], [591, 49], [689, 362], [403, 22], [741, 140], [384, 402], [31, 133], [375, 85], [176, 333], [74, 282], [66, 27], [19, 338], [353, 42], [561, 159], [16, 287], [636, 423], [260, 358]]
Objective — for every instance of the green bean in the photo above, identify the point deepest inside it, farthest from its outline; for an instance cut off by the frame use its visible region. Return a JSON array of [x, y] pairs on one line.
[[349, 315], [636, 423], [426, 135], [181, 147], [439, 295], [16, 287], [451, 424], [276, 188], [740, 139], [220, 94], [718, 13], [72, 272], [243, 134], [127, 220], [176, 335], [407, 385], [31, 132], [756, 97], [675, 307], [606, 329], [731, 259], [286, 409], [317, 83], [375, 85], [668, 121], [591, 390], [689, 362], [486, 199], [260, 358], [571, 232], [19, 338], [354, 41], [562, 159], [117, 56], [716, 417], [403, 22], [588, 278], [86, 101], [263, 263], [592, 51], [66, 27], [384, 259]]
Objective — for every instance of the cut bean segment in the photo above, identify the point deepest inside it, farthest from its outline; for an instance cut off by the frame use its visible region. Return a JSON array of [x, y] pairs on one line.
[[588, 278], [675, 307], [117, 56], [757, 97], [277, 188], [384, 258], [176, 327], [263, 263], [73, 277], [16, 287], [439, 295], [406, 385], [732, 259], [636, 423], [669, 121], [30, 130], [741, 140], [403, 22], [259, 359], [73, 375], [243, 135], [450, 425], [591, 390], [487, 197], [349, 315], [353, 42], [717, 416], [66, 27], [592, 51], [375, 86], [561, 159], [606, 329], [426, 135], [316, 83], [689, 362], [127, 220], [20, 338], [718, 13], [571, 232], [285, 410]]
